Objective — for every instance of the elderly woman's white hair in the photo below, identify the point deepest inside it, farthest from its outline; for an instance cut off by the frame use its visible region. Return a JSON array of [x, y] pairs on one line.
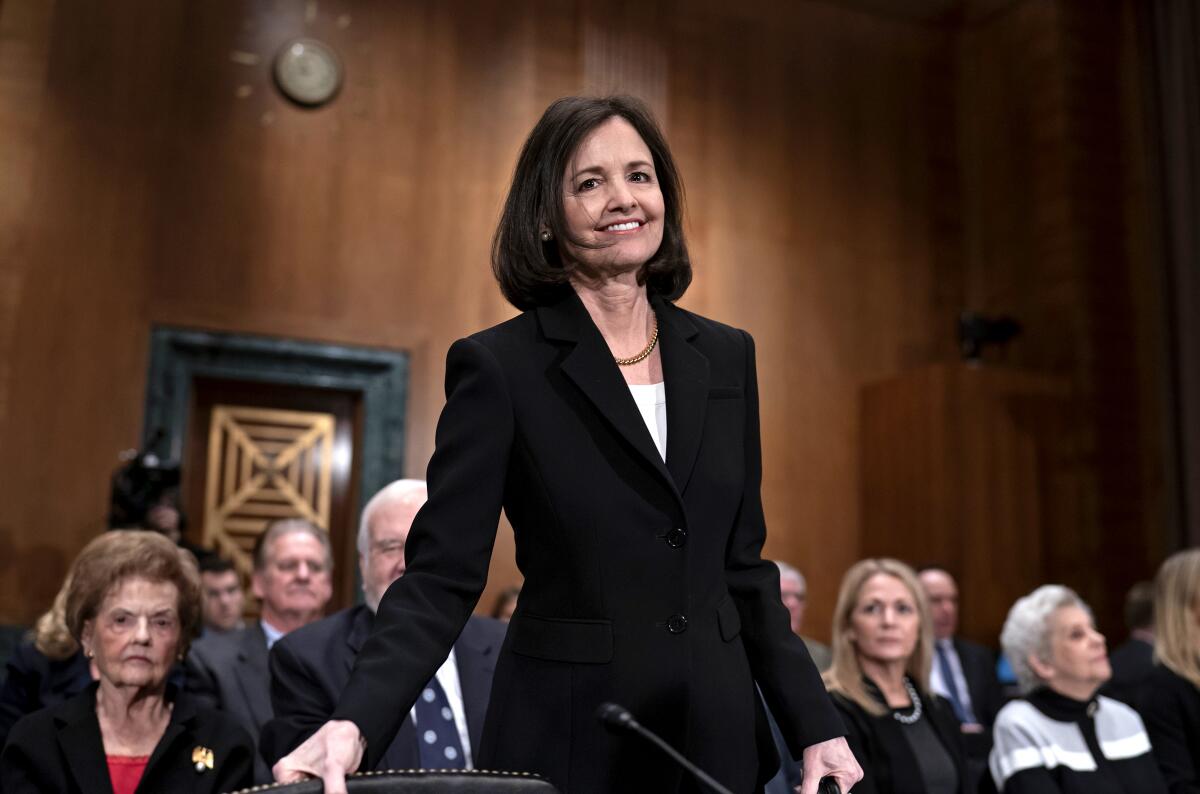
[[1027, 630]]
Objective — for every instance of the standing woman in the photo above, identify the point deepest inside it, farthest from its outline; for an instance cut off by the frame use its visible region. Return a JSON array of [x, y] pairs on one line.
[[619, 433], [1170, 702]]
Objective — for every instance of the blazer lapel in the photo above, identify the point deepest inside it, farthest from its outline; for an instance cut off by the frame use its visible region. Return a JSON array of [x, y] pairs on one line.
[[80, 742], [253, 675], [590, 366], [686, 372], [165, 752]]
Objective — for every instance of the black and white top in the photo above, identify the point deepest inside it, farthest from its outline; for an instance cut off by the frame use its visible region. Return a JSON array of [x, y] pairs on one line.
[[1052, 744]]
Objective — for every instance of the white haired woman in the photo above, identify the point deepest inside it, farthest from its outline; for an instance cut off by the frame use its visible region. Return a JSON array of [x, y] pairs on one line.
[[1170, 701], [1061, 737]]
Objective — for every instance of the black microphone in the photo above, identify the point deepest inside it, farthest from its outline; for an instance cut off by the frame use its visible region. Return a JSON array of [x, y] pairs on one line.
[[618, 718]]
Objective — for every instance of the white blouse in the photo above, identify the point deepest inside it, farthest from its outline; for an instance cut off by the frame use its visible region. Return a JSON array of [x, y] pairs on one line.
[[651, 399]]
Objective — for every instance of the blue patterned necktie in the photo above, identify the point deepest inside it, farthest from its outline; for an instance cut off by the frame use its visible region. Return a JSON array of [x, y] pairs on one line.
[[960, 710], [437, 733]]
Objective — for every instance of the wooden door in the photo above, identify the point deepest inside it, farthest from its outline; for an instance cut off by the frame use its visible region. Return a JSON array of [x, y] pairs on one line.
[[257, 451]]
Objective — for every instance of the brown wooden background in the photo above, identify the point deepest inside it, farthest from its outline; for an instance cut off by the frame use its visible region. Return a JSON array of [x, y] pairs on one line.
[[855, 175]]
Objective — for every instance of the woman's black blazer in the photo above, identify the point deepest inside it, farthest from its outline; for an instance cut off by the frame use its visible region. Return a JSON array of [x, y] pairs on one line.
[[644, 583], [889, 765], [60, 749], [1170, 707]]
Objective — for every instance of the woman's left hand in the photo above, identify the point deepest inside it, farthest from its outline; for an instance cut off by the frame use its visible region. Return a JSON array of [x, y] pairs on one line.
[[831, 758]]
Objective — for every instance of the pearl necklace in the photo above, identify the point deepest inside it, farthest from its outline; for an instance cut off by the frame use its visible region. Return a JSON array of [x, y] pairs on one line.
[[909, 719]]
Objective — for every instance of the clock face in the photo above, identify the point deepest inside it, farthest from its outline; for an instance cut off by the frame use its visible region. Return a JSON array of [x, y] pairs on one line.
[[308, 72]]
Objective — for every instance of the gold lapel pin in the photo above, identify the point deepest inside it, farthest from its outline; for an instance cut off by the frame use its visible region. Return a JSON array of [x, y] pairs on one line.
[[202, 758]]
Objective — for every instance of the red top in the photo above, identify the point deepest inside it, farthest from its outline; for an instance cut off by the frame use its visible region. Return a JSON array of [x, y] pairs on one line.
[[125, 772]]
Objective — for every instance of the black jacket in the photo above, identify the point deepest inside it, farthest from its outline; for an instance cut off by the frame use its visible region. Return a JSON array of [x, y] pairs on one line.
[[228, 672], [979, 668], [311, 665], [644, 583], [59, 749], [1170, 707], [885, 755], [35, 681], [1132, 666]]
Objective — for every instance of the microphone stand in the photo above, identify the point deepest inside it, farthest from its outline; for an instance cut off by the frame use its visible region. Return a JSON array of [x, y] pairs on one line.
[[617, 717]]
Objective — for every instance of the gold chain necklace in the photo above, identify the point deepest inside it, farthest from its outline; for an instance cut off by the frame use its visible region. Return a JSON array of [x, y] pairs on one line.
[[625, 362]]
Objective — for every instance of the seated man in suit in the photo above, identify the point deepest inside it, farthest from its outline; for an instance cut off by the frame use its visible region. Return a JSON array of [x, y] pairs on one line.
[[293, 566], [793, 591], [964, 673], [1133, 662], [310, 667]]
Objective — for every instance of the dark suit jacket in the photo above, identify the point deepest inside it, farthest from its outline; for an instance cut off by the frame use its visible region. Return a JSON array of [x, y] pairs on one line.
[[979, 668], [310, 667], [228, 672], [644, 583], [1170, 708], [35, 681], [59, 749], [1132, 665], [889, 765]]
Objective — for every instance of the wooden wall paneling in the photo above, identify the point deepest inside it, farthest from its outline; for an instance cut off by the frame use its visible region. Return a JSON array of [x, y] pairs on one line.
[[1056, 230], [824, 149], [1115, 256], [77, 357], [811, 229], [960, 469], [24, 57]]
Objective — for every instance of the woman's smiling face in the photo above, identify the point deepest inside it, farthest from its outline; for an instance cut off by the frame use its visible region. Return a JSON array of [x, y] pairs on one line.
[[612, 202]]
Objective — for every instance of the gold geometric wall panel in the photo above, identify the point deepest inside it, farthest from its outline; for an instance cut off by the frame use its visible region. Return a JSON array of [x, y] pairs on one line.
[[264, 464]]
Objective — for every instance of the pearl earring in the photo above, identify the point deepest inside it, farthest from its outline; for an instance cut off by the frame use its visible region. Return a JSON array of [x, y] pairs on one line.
[[547, 235]]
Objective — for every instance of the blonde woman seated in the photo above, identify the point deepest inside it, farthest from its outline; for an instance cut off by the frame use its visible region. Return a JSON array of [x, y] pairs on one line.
[[1170, 701], [1061, 737], [132, 605], [906, 739]]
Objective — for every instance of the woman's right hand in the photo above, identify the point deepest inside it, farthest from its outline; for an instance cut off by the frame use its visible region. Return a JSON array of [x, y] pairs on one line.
[[330, 754]]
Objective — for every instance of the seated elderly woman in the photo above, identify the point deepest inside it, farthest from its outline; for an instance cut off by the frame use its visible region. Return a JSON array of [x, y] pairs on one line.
[[1170, 698], [1061, 737], [133, 604], [906, 739]]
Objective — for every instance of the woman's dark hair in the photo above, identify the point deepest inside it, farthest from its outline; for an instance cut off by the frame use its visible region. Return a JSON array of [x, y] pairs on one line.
[[531, 272]]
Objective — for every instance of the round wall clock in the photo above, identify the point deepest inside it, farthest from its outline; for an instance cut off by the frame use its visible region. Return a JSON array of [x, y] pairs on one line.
[[308, 72]]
